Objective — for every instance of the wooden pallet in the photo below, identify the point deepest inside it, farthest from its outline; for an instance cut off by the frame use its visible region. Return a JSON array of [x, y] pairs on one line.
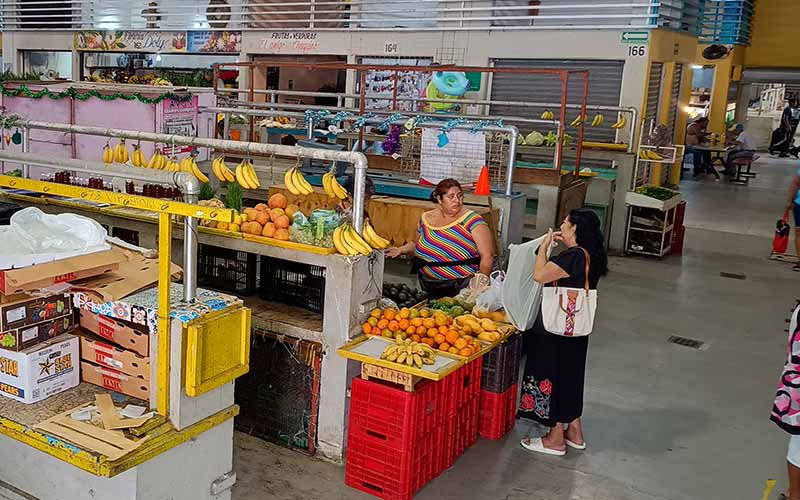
[[407, 380], [109, 443]]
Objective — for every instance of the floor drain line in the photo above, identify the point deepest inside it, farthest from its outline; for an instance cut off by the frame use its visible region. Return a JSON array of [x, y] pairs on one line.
[[733, 276], [687, 342]]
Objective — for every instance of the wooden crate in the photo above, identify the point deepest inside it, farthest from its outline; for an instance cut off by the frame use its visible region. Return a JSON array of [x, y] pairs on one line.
[[407, 380]]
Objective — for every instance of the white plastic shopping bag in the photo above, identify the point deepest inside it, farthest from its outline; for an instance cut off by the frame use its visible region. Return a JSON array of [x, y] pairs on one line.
[[492, 298], [521, 294]]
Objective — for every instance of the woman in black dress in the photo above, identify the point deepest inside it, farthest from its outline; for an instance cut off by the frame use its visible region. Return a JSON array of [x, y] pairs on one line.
[[552, 387]]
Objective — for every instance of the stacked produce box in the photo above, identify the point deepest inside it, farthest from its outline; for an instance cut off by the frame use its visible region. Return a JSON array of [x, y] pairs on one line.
[[114, 355]]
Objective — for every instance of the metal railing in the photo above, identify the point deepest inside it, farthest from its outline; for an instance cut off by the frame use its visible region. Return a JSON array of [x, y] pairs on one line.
[[335, 15]]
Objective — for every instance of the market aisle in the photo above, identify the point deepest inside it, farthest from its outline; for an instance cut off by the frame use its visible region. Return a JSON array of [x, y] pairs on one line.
[[663, 422]]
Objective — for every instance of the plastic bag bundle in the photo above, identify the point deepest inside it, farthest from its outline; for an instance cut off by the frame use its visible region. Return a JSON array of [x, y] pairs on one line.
[[521, 295]]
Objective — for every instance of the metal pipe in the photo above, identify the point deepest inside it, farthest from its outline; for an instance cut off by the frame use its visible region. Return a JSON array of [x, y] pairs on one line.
[[359, 160], [190, 254], [26, 148], [512, 158]]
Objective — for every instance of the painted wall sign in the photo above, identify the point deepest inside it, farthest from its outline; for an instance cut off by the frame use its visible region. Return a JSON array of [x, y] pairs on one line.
[[215, 41], [131, 41], [180, 118], [159, 41], [293, 42]]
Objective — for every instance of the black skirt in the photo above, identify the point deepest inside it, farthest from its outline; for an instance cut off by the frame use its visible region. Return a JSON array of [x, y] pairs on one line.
[[555, 369]]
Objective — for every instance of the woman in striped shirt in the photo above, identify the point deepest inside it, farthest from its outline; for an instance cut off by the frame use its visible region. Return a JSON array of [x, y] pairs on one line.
[[453, 243]]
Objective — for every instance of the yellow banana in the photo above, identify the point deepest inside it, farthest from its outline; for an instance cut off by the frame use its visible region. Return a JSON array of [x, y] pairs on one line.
[[288, 179], [620, 122], [251, 175], [121, 152], [356, 241], [154, 161], [108, 154], [240, 177], [197, 172], [162, 161], [301, 183], [173, 165], [373, 238], [186, 164], [215, 169], [337, 188], [143, 159], [598, 120], [226, 172], [326, 185], [338, 243]]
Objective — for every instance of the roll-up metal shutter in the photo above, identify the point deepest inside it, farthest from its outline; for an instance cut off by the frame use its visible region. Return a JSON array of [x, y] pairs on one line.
[[675, 95], [653, 95], [605, 80]]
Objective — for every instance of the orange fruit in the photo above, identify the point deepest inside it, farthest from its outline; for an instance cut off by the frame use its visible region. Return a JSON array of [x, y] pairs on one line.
[[366, 328], [465, 352], [414, 338], [421, 330], [376, 330], [393, 325], [403, 324], [451, 336], [417, 321], [404, 313], [372, 320], [438, 338], [443, 329], [425, 313], [470, 339], [453, 350], [428, 341], [444, 346], [432, 332], [440, 319], [429, 322], [389, 314], [375, 313], [383, 323], [411, 331], [461, 343]]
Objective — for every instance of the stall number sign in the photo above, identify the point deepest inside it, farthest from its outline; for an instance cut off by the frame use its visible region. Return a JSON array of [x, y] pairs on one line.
[[636, 42], [390, 48], [637, 50]]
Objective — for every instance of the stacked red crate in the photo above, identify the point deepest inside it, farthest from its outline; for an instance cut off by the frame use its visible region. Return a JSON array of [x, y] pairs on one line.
[[497, 413]]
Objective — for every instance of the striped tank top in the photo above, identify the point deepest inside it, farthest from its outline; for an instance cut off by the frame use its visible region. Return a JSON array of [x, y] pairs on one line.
[[449, 243]]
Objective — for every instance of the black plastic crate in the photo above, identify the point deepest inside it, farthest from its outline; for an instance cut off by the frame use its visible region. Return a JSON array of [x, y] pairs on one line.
[[279, 397], [501, 365], [293, 283], [226, 269], [6, 211]]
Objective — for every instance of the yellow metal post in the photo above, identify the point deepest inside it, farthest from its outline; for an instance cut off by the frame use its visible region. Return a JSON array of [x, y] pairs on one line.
[[164, 284]]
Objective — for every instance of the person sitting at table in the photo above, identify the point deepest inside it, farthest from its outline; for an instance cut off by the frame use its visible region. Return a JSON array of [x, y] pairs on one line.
[[453, 243], [742, 148], [697, 135]]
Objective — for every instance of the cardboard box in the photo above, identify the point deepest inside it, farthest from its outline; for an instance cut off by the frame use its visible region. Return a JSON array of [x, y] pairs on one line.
[[40, 372], [60, 271], [28, 336], [98, 352], [20, 311], [117, 332], [116, 381]]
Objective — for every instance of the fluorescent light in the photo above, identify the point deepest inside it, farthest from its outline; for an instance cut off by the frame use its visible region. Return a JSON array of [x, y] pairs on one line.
[[697, 66], [158, 57]]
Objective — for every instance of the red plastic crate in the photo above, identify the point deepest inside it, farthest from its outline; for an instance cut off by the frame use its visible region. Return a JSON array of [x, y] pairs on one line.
[[678, 236], [393, 437], [680, 214], [465, 385], [497, 413]]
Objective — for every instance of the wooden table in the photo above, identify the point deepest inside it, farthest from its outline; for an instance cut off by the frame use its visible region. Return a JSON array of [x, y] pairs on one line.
[[716, 152]]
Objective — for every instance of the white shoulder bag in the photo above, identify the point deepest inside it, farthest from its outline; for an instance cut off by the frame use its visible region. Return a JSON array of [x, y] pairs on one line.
[[569, 311]]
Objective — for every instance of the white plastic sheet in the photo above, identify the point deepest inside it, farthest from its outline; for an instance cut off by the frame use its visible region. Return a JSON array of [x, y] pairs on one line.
[[522, 296], [34, 237]]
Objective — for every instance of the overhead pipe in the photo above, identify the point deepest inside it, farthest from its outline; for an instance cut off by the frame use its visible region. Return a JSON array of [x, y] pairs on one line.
[[358, 160]]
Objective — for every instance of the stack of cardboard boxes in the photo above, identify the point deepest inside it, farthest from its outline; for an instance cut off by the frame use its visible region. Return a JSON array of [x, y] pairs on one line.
[[38, 354], [114, 355]]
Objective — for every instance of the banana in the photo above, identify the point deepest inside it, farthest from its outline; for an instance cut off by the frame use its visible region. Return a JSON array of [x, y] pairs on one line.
[[338, 191], [172, 165], [619, 123], [598, 120], [326, 185], [135, 157], [154, 161], [577, 121], [240, 177], [392, 357], [373, 238], [288, 179], [418, 360], [402, 357], [222, 171], [301, 183], [143, 162], [121, 152], [197, 172], [337, 241], [108, 154], [162, 161], [356, 241], [215, 169], [186, 164], [343, 242], [250, 173]]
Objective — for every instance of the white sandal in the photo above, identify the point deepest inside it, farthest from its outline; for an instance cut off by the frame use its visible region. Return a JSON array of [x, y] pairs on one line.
[[573, 444], [536, 444]]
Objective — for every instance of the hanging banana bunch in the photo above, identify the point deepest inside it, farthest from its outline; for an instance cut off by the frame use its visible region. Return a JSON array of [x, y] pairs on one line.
[[332, 187], [221, 170], [246, 176], [121, 154], [620, 123], [108, 154], [598, 120], [296, 183]]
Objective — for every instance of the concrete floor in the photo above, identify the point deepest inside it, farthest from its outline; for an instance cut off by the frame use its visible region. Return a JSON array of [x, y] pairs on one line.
[[663, 422]]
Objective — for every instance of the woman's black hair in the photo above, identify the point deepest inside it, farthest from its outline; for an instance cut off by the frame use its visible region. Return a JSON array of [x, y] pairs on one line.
[[443, 187], [589, 235], [350, 182]]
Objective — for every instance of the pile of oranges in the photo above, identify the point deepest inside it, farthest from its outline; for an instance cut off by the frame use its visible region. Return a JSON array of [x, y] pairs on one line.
[[434, 328]]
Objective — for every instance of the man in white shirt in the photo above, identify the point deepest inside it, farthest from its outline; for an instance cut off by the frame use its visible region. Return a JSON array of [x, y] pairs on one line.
[[743, 147]]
